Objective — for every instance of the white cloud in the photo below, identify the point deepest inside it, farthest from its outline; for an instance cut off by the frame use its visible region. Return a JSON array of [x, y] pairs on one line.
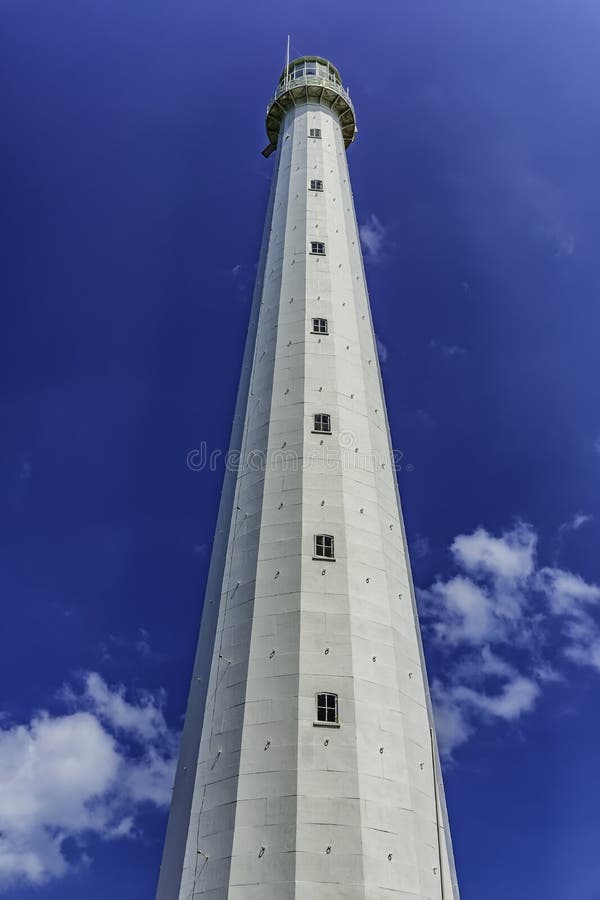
[[485, 603], [565, 591], [144, 720], [382, 350], [373, 236], [151, 778], [576, 604], [69, 777], [460, 708], [580, 520], [463, 611], [514, 698], [451, 722], [511, 556], [497, 620], [584, 649]]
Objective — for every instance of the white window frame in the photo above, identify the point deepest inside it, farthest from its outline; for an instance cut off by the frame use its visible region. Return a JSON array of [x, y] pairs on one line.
[[320, 326], [317, 252], [314, 133], [325, 546], [325, 723], [316, 184], [318, 427]]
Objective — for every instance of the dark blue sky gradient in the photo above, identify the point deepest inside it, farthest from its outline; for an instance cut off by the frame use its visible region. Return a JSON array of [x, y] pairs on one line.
[[133, 186]]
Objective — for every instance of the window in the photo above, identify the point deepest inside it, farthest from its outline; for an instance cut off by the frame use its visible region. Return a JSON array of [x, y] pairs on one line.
[[315, 132], [327, 709], [320, 326], [311, 68], [317, 247], [316, 185], [324, 546], [322, 423]]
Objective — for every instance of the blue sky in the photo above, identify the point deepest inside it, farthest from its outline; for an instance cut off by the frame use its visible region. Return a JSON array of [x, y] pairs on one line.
[[133, 199]]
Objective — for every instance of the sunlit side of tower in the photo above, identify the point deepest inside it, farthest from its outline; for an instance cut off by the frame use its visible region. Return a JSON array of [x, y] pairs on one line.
[[308, 765]]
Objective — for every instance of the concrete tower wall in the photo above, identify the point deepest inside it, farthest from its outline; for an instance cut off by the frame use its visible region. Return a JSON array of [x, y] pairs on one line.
[[274, 806]]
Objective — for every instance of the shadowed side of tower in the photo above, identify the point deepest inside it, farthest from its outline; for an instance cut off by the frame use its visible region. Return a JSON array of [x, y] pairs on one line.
[[308, 766]]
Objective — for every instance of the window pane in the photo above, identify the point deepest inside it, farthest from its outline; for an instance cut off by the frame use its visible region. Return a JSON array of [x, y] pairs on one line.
[[327, 708]]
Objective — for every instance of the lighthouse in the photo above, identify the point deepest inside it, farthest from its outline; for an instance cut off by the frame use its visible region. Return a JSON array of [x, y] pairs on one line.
[[308, 766]]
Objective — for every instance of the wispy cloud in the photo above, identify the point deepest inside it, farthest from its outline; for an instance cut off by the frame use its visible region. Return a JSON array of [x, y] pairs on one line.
[[564, 243], [576, 522], [541, 199], [425, 419], [420, 546], [373, 236], [382, 350], [567, 528], [494, 621], [119, 644], [79, 775], [242, 278], [449, 351]]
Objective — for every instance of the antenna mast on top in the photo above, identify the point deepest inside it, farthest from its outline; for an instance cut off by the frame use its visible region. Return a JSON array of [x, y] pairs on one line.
[[287, 63]]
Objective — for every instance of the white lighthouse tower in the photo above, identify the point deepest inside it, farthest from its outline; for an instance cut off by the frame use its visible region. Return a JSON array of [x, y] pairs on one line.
[[308, 766]]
